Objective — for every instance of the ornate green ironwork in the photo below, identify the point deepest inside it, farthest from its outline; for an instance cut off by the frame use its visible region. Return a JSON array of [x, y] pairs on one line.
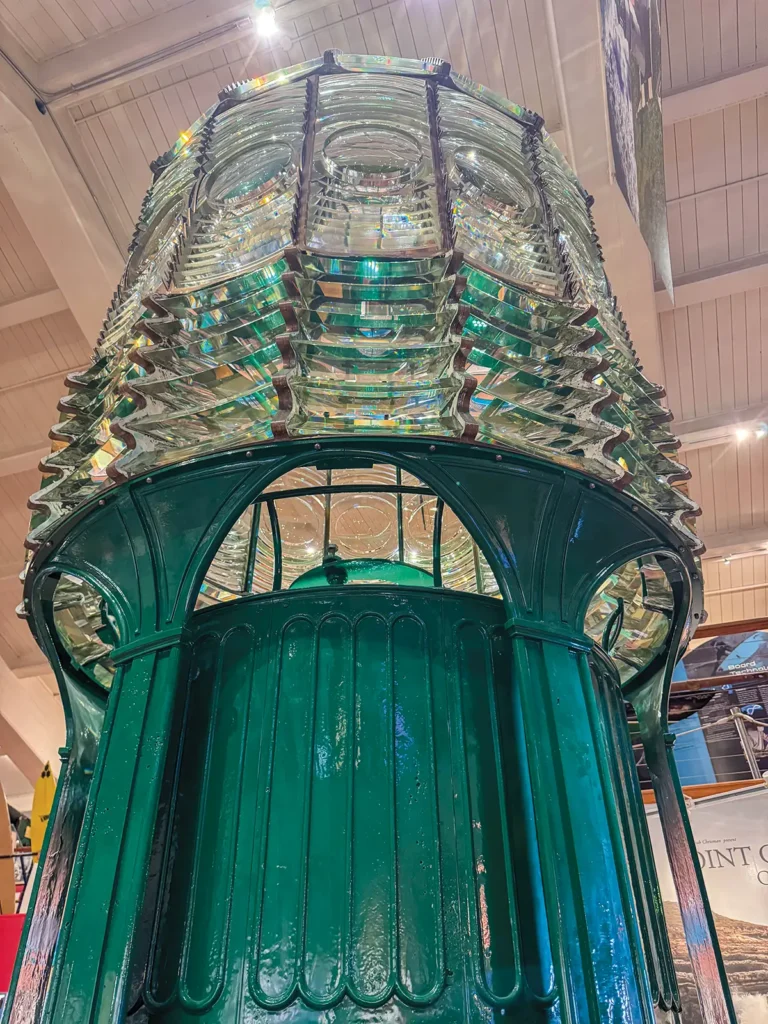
[[407, 790]]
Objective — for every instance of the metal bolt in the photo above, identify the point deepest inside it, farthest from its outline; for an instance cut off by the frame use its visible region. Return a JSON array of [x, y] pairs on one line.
[[249, 455], [498, 458], [149, 479], [102, 503], [694, 575], [681, 549], [634, 508], [318, 447], [591, 487], [432, 448]]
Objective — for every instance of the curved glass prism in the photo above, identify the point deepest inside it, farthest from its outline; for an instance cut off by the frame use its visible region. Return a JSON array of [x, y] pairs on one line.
[[363, 244]]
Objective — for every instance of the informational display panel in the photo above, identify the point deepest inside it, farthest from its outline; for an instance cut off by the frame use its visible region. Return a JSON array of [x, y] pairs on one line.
[[731, 833]]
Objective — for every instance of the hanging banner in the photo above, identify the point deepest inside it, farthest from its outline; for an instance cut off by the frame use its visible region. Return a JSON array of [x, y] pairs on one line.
[[740, 654], [632, 48], [731, 833]]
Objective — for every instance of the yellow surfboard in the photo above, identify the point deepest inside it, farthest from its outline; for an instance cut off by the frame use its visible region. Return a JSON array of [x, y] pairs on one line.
[[42, 801]]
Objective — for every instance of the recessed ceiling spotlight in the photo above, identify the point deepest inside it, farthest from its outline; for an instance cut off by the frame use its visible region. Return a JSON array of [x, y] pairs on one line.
[[741, 434], [726, 560], [761, 431]]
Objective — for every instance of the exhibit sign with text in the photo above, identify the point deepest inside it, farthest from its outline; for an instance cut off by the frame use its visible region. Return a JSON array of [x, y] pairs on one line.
[[731, 833]]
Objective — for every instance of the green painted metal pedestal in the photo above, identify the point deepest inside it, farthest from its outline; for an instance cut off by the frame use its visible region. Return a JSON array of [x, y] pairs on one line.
[[365, 803]]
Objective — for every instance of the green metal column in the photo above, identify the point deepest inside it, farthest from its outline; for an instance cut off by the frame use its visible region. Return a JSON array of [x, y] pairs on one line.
[[636, 839], [371, 812], [107, 887], [599, 959]]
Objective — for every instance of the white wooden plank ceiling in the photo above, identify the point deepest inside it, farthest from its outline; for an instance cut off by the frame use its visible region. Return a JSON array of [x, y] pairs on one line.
[[715, 339], [703, 39], [48, 27]]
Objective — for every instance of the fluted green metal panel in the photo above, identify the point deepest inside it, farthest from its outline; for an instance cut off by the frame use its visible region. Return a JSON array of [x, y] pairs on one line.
[[341, 832]]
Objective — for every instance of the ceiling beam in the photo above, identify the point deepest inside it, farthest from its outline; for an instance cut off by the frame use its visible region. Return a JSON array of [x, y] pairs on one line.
[[20, 752], [573, 29], [753, 540], [56, 205], [24, 461], [720, 428], [724, 628], [136, 44], [34, 668], [32, 307], [165, 39], [726, 186], [715, 282], [747, 83]]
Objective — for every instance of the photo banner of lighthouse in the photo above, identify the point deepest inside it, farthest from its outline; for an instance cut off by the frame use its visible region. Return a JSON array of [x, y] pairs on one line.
[[632, 50], [731, 833]]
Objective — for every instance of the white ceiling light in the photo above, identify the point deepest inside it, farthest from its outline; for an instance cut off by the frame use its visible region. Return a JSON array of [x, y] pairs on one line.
[[722, 434], [265, 21]]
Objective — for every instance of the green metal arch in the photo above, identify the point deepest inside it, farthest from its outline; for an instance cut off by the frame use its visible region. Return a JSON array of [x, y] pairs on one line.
[[360, 448], [411, 454]]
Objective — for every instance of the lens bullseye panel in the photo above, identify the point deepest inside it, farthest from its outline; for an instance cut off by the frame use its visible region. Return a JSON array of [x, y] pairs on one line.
[[365, 237], [372, 190]]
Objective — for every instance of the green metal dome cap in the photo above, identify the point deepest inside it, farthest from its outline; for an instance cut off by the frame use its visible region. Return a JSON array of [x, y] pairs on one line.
[[362, 245]]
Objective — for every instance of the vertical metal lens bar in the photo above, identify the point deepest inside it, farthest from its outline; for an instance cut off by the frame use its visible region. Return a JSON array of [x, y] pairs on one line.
[[400, 539], [478, 569], [437, 538], [444, 211], [532, 146], [327, 523], [305, 173], [253, 544], [277, 546]]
